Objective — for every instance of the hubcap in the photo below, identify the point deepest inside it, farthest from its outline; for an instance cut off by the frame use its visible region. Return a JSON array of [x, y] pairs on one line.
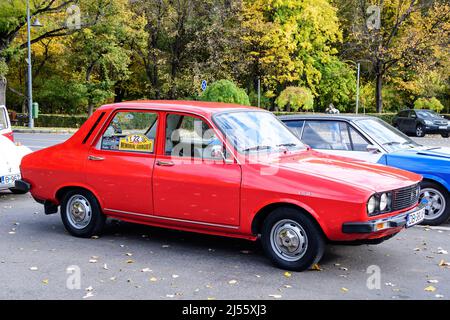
[[435, 205], [78, 211], [419, 131], [288, 240]]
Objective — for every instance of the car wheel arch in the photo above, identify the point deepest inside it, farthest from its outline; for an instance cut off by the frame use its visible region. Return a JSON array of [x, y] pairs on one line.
[[261, 215], [59, 195], [437, 181]]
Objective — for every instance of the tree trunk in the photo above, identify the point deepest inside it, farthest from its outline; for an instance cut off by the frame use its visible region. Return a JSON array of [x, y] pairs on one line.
[[3, 84], [90, 109], [288, 107], [378, 88]]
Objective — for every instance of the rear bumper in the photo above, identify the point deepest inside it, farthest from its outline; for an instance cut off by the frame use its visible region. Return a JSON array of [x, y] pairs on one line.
[[22, 186], [394, 222]]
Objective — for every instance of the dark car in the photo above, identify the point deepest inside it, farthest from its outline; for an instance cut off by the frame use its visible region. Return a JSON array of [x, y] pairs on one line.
[[421, 122]]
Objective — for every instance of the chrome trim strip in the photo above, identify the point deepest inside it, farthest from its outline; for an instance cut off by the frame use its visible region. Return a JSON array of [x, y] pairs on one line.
[[173, 219]]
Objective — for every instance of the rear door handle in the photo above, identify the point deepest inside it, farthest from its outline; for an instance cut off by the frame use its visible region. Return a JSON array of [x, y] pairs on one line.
[[165, 163], [94, 158]]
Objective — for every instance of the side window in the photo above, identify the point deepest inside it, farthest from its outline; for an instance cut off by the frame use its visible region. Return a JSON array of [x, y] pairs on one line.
[[403, 114], [359, 142], [296, 126], [131, 131], [412, 115], [327, 135], [190, 137]]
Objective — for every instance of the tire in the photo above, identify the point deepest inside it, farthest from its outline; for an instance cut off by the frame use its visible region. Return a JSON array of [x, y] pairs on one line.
[[310, 241], [420, 131], [17, 191], [444, 134], [85, 219], [438, 210]]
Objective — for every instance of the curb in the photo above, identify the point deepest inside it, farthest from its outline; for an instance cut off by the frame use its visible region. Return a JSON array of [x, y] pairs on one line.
[[45, 130]]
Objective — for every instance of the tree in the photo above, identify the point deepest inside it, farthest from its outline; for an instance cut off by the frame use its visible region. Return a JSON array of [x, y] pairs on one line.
[[290, 41], [225, 91], [295, 98], [432, 104], [410, 33]]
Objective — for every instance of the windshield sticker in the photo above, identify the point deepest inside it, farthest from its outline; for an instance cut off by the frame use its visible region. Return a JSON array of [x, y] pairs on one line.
[[136, 142]]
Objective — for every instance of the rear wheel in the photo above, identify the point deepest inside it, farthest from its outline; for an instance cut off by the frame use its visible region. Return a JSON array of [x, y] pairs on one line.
[[292, 240], [81, 214], [437, 210], [420, 131]]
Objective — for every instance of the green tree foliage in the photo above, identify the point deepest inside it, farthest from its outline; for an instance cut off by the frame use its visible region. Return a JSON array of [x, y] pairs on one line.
[[225, 91], [295, 99], [432, 104]]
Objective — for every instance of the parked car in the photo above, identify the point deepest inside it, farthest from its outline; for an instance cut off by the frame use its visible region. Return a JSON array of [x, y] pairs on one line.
[[421, 122], [5, 124], [218, 169], [10, 157], [371, 139]]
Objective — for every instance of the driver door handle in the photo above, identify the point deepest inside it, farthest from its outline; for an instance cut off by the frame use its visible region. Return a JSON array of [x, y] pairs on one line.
[[165, 163], [94, 158]]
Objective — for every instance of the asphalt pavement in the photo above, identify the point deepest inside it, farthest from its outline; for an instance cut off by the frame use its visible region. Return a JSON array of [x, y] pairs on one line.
[[39, 260]]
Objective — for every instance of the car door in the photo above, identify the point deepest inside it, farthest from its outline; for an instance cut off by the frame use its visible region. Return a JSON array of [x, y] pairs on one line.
[[120, 164], [410, 122], [337, 138], [190, 184]]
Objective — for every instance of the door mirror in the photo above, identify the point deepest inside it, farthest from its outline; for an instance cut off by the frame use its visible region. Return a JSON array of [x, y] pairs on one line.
[[372, 149], [217, 153]]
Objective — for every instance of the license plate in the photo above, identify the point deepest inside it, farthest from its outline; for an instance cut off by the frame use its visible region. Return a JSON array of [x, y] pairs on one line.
[[9, 179], [415, 217], [442, 127]]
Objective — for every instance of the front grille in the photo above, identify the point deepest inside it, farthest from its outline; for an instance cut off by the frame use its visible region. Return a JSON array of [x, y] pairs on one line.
[[405, 197]]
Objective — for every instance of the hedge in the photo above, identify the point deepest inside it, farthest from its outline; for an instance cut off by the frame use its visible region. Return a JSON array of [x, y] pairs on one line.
[[54, 120], [75, 121]]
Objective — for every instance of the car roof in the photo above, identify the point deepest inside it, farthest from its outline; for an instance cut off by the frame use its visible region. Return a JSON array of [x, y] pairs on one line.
[[342, 117], [201, 107]]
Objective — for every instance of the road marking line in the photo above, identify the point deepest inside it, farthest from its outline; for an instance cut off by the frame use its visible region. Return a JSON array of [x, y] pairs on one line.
[[436, 228]]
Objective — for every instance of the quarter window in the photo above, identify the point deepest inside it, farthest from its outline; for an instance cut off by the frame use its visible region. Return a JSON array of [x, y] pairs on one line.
[[296, 126], [131, 131], [358, 141]]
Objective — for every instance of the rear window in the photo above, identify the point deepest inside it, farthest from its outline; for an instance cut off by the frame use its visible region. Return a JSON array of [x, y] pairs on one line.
[[3, 119]]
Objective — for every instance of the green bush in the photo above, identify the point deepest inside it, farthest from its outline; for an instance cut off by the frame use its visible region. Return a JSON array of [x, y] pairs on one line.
[[54, 120], [295, 98], [429, 103], [225, 91]]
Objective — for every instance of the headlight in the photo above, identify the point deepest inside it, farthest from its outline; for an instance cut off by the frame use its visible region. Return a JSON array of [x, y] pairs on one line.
[[371, 205], [384, 201], [428, 122]]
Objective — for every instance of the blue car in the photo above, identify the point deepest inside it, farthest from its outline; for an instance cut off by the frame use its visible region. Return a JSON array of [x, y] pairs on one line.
[[371, 139]]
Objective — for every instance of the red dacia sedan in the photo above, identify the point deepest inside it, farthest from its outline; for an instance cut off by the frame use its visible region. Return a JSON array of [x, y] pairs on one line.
[[220, 169]]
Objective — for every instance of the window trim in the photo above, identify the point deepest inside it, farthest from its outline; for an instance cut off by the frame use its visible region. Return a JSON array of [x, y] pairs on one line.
[[96, 144]]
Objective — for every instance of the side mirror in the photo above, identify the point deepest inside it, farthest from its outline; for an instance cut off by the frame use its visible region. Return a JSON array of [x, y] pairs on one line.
[[372, 149], [218, 154]]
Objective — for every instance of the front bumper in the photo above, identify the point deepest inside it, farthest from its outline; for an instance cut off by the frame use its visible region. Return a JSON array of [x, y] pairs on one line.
[[436, 128], [393, 222]]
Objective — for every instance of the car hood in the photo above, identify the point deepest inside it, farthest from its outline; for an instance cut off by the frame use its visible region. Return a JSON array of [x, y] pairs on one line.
[[426, 152], [364, 175]]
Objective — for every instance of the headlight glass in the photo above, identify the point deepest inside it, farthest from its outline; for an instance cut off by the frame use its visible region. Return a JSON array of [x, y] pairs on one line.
[[371, 205], [384, 201], [428, 122]]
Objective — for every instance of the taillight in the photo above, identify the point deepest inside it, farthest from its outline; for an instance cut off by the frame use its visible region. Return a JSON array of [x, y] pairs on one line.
[[9, 135]]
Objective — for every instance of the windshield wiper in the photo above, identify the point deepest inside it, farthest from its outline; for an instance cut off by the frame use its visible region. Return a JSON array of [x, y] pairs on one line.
[[257, 148], [287, 145]]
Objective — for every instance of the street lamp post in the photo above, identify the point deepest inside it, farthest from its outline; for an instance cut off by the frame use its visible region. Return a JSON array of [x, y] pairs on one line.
[[30, 80]]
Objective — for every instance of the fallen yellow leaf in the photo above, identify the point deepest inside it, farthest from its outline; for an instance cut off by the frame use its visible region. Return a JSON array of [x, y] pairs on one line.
[[287, 274], [344, 289], [430, 289], [316, 267]]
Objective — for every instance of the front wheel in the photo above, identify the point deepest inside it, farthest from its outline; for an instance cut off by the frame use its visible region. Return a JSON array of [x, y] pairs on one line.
[[420, 131], [81, 214], [444, 134], [437, 210], [292, 240]]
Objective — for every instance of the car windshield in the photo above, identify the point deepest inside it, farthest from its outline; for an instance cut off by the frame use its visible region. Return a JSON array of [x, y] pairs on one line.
[[428, 114], [384, 134], [256, 131]]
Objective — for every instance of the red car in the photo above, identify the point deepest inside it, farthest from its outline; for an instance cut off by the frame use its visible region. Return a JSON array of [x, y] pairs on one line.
[[220, 169]]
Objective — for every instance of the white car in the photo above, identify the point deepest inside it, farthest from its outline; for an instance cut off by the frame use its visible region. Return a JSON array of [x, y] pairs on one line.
[[10, 157]]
